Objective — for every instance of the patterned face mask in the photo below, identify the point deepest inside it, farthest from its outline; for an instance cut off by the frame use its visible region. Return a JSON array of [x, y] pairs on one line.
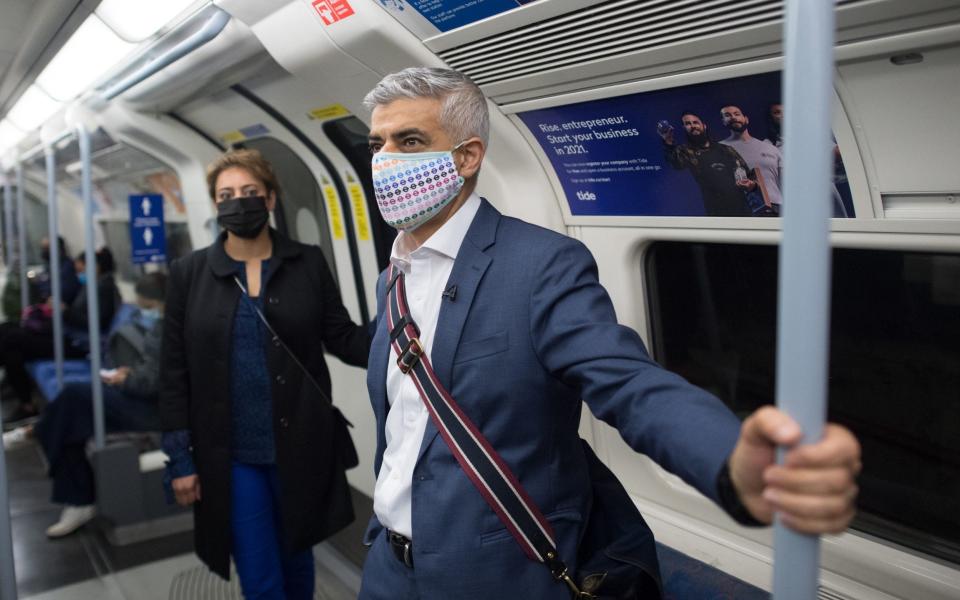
[[411, 188]]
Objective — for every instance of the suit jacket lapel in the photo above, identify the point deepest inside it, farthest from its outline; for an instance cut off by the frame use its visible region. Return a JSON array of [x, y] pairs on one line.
[[380, 354], [468, 270]]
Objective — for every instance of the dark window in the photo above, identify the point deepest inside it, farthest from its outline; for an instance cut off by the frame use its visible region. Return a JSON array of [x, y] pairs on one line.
[[894, 365], [349, 135], [301, 213]]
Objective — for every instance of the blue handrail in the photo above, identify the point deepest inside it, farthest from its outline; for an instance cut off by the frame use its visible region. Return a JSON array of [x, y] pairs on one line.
[[804, 286]]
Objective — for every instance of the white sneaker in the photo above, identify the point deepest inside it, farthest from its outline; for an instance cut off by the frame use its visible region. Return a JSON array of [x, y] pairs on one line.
[[71, 519], [16, 438]]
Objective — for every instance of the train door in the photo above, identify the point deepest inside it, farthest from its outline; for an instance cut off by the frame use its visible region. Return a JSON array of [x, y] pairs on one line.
[[323, 201]]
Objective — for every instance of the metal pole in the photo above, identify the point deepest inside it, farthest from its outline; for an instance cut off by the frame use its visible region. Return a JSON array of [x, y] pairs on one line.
[[22, 237], [8, 575], [804, 287], [93, 301], [53, 226], [7, 223]]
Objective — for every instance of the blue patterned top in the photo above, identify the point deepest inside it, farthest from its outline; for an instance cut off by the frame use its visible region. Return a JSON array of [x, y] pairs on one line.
[[250, 393]]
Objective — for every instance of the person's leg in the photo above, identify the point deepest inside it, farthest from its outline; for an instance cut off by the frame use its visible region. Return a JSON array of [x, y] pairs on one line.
[[62, 431], [299, 576], [126, 412], [67, 420], [17, 347], [385, 577], [73, 483], [255, 549]]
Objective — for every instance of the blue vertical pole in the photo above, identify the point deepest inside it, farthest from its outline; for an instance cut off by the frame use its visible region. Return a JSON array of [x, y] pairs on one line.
[[53, 234], [804, 288], [93, 301], [22, 238], [8, 575], [7, 223]]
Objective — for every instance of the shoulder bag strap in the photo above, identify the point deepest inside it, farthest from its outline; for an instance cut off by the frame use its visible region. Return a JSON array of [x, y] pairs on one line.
[[276, 339], [486, 469]]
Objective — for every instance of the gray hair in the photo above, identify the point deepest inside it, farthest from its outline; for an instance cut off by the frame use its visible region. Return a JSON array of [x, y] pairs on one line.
[[464, 108]]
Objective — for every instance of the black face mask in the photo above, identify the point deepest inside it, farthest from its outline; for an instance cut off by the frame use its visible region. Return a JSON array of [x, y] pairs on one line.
[[244, 216], [45, 255]]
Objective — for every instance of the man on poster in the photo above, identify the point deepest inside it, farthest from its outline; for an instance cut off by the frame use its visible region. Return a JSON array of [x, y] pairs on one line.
[[719, 170], [775, 124], [763, 158]]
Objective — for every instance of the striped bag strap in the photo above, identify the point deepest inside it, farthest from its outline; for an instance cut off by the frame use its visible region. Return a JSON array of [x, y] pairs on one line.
[[486, 469]]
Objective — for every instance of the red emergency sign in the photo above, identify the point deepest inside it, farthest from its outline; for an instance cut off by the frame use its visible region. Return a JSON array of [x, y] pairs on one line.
[[332, 11]]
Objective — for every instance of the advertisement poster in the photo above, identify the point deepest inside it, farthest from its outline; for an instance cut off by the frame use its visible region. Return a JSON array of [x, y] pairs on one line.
[[443, 15], [711, 149]]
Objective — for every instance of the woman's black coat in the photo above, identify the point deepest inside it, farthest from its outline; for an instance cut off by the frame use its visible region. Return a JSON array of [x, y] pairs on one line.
[[303, 305]]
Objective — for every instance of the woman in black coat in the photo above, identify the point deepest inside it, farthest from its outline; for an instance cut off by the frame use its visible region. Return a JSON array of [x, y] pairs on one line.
[[247, 433]]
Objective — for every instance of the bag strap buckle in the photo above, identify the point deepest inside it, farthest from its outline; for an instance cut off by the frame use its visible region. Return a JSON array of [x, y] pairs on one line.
[[561, 573], [410, 356]]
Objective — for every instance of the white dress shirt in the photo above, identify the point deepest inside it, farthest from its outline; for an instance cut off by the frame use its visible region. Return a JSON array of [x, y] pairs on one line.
[[426, 270]]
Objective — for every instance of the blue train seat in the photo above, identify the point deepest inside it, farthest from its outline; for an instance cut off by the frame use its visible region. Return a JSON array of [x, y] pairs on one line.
[[44, 372]]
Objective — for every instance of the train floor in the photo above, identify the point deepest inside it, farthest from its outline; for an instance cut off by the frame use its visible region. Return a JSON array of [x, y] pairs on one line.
[[84, 565]]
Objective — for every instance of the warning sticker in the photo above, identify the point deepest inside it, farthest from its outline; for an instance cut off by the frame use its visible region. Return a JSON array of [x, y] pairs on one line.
[[328, 112], [359, 208], [332, 11], [333, 210]]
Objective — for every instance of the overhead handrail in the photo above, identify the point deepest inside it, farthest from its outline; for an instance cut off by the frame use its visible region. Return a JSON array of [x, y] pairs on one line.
[[211, 29], [803, 318]]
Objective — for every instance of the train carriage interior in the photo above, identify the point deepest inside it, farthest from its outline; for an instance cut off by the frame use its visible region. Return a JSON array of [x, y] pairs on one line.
[[138, 97]]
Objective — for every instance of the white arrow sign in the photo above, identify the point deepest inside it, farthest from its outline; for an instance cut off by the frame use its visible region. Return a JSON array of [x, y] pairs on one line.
[[145, 205], [148, 236]]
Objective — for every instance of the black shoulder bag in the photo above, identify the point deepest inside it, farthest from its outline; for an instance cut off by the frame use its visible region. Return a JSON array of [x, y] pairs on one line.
[[617, 558]]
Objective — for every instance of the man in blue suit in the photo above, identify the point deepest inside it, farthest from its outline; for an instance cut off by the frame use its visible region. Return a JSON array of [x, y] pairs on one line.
[[520, 332]]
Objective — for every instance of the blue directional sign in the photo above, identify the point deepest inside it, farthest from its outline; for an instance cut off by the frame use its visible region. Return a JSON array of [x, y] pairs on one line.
[[147, 240]]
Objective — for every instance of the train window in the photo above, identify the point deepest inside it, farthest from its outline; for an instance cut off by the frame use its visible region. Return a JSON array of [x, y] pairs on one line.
[[301, 215], [35, 218], [349, 135], [118, 171], [894, 351]]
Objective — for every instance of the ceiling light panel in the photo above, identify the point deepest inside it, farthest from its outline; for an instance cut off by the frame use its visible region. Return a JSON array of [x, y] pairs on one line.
[[86, 57], [138, 20], [32, 109], [10, 135]]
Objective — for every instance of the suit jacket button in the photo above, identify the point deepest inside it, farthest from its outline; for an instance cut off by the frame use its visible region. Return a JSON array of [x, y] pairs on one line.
[[284, 422], [274, 300], [281, 380]]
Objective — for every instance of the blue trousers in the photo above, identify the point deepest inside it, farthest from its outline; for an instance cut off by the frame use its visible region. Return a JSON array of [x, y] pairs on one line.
[[267, 570]]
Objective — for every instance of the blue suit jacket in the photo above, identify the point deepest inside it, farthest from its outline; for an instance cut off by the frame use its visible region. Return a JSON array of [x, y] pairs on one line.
[[531, 334]]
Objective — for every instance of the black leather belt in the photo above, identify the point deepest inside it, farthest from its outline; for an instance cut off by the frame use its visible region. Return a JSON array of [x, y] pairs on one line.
[[402, 547]]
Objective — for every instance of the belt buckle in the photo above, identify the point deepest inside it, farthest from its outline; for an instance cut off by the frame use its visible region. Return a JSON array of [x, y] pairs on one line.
[[410, 355], [403, 548]]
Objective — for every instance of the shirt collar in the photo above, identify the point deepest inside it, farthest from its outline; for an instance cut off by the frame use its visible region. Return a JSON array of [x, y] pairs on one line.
[[445, 241]]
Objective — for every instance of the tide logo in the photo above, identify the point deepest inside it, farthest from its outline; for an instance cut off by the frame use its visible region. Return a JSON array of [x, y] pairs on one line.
[[586, 196]]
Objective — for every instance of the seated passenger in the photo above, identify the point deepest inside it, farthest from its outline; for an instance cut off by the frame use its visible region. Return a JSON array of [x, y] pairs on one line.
[[29, 341], [69, 282], [129, 404]]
